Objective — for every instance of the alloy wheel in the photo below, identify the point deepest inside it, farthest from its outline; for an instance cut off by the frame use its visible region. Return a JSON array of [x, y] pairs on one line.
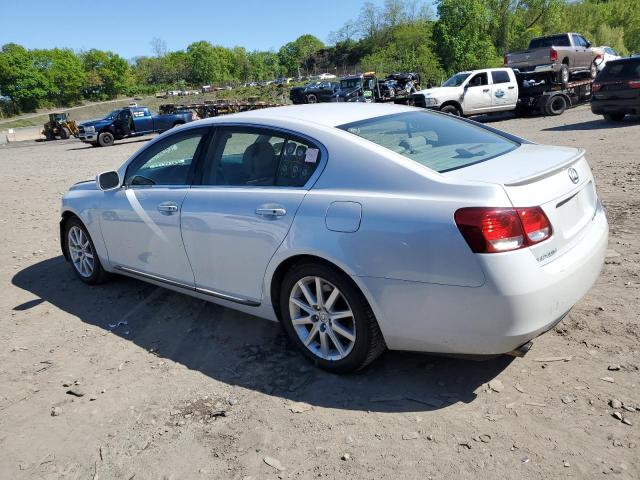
[[322, 318], [82, 255]]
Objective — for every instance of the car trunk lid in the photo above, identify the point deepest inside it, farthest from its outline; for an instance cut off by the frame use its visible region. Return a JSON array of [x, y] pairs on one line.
[[558, 179]]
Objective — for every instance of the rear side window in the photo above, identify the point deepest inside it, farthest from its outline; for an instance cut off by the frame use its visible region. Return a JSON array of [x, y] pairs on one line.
[[439, 142], [552, 41], [500, 76], [621, 69], [261, 158]]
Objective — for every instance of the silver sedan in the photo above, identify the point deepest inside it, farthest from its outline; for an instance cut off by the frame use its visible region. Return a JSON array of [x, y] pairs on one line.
[[359, 227]]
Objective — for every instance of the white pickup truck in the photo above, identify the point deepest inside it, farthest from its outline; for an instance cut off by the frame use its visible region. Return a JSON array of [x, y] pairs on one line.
[[472, 93]]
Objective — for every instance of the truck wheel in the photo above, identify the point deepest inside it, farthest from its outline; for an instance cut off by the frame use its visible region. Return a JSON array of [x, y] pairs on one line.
[[452, 110], [49, 135], [105, 139], [311, 98], [556, 105], [64, 133], [564, 74]]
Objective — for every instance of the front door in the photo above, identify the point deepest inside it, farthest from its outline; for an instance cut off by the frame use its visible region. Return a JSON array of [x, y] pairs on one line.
[[141, 221], [232, 224], [477, 95]]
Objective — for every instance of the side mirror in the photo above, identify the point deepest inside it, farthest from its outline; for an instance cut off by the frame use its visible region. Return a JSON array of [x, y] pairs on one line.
[[108, 181], [589, 44]]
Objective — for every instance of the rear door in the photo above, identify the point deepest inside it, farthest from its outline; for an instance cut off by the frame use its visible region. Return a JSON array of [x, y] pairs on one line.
[[582, 58], [252, 184], [142, 120], [504, 89]]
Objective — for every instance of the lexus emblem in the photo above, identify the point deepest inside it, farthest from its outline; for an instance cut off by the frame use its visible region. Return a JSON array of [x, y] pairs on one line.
[[573, 175]]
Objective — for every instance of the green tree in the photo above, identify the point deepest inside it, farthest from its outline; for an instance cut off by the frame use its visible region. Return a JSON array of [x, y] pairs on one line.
[[107, 74], [461, 35]]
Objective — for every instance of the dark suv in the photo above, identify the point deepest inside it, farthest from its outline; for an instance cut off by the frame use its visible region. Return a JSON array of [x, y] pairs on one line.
[[616, 90]]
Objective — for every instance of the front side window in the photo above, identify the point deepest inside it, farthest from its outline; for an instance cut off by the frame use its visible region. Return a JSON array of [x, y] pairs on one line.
[[260, 158], [478, 80], [166, 163], [436, 141]]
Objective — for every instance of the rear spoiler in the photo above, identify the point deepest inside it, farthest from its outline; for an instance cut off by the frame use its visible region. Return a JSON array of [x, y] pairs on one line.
[[549, 172]]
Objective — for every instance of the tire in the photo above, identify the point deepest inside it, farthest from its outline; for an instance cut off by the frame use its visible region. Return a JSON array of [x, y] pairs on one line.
[[564, 75], [361, 339], [593, 70], [556, 105], [614, 117], [452, 110], [49, 135], [84, 260], [105, 139], [312, 98], [64, 133]]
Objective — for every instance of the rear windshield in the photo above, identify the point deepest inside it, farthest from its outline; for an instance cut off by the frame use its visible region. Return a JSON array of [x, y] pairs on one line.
[[552, 41], [439, 142], [623, 69]]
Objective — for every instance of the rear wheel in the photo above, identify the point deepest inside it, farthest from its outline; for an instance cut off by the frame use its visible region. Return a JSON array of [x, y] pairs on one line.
[[328, 318], [614, 117], [312, 98], [593, 70], [564, 74], [556, 105], [451, 109], [81, 252], [105, 139]]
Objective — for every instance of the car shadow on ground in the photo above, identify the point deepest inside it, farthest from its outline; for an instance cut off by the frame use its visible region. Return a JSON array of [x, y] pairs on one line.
[[250, 352], [599, 124]]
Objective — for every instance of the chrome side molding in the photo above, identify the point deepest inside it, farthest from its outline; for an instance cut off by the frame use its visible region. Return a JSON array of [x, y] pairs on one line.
[[212, 293]]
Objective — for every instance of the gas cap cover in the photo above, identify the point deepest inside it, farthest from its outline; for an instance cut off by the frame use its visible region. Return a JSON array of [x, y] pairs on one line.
[[343, 217]]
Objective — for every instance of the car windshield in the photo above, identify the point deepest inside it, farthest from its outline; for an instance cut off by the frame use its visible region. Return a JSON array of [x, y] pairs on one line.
[[350, 83], [112, 115], [456, 80], [439, 142]]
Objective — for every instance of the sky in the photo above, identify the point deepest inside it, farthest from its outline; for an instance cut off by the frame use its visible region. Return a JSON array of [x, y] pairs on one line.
[[127, 27]]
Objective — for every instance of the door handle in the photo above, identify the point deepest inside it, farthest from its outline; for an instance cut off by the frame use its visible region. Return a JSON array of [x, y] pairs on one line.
[[485, 90], [275, 211], [511, 87], [168, 208]]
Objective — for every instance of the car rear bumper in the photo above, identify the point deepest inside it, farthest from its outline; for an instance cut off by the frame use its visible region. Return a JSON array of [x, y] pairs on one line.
[[613, 106], [552, 67], [519, 301]]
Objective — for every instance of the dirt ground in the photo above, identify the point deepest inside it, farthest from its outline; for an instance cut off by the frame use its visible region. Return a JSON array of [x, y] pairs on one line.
[[173, 387]]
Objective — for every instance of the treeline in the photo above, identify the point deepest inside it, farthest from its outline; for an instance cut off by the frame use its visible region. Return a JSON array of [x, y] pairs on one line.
[[400, 35]]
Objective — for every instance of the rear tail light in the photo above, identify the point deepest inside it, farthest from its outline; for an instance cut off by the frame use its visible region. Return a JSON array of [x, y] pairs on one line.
[[634, 84], [553, 55], [493, 230], [596, 87]]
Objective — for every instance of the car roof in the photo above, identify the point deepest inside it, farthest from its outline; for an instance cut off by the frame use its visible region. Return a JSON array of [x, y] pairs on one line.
[[325, 114]]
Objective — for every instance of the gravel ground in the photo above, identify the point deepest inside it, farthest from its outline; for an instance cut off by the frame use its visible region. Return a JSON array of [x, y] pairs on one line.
[[184, 389]]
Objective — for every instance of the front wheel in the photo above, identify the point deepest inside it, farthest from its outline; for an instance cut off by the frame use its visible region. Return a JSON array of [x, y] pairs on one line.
[[81, 252], [64, 133], [312, 98], [451, 109], [105, 139], [328, 318]]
